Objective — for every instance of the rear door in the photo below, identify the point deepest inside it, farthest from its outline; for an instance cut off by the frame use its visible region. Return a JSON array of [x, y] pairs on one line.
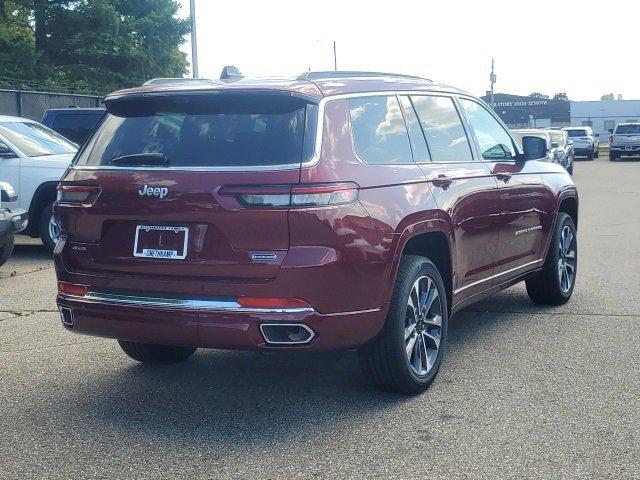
[[523, 203], [465, 189], [188, 187]]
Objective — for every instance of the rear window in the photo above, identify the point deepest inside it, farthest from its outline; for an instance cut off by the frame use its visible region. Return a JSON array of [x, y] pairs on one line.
[[230, 130], [557, 136], [626, 129], [577, 133]]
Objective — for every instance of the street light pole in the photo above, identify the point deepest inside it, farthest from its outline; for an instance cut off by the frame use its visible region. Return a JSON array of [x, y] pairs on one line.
[[492, 78], [194, 40], [335, 58]]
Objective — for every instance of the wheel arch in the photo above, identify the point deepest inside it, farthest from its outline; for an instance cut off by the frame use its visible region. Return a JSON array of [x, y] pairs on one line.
[[45, 193], [434, 244]]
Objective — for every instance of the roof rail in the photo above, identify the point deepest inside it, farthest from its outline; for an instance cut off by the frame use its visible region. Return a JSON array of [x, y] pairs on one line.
[[168, 81], [354, 73]]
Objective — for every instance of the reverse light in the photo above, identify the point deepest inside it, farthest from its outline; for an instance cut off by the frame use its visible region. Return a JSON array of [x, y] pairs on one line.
[[78, 195], [269, 302], [293, 196], [72, 289]]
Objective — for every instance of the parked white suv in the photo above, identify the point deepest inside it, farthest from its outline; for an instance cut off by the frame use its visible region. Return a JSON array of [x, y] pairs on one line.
[[32, 159], [585, 142]]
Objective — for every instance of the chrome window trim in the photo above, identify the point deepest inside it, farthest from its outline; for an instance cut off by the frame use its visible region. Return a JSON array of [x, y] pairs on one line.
[[313, 161], [216, 304]]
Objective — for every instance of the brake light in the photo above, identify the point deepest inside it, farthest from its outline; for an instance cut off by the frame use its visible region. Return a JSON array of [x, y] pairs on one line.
[[72, 289], [268, 302], [293, 196], [78, 195]]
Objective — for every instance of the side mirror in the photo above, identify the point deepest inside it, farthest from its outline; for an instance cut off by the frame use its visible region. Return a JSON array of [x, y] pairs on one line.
[[569, 142], [611, 131], [534, 147], [555, 145], [7, 193]]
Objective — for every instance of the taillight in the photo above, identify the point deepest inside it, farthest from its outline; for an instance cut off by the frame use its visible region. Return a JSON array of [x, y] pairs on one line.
[[610, 139], [72, 289], [293, 196], [77, 195]]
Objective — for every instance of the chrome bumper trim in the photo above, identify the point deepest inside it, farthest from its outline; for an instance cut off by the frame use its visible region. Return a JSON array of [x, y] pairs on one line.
[[224, 304]]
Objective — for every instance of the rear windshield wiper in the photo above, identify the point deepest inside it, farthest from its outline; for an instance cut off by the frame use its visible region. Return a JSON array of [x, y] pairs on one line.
[[141, 159]]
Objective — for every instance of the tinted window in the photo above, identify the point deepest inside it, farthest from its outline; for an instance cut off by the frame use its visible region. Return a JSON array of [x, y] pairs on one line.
[[35, 140], [625, 129], [418, 145], [379, 131], [76, 127], [495, 143], [208, 131], [577, 133], [443, 129]]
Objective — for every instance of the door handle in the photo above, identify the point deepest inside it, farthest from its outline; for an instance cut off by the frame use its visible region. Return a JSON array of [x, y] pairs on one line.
[[504, 176], [442, 181]]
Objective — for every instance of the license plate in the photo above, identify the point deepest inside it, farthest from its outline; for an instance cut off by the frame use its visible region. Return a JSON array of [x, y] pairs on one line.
[[628, 147], [160, 241]]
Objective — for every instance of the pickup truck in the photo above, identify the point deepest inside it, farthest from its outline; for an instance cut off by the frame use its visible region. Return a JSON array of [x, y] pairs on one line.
[[624, 140]]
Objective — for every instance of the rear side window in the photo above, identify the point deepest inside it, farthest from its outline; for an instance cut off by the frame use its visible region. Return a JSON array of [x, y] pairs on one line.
[[76, 127], [495, 143], [231, 130], [577, 133], [443, 129], [379, 131]]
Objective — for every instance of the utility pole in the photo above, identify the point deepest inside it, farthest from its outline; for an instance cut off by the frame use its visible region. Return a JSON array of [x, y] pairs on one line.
[[492, 79], [335, 58], [194, 40]]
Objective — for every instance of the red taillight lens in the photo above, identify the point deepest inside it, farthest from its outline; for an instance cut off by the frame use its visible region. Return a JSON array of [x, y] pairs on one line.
[[258, 302], [72, 289], [84, 195], [293, 196]]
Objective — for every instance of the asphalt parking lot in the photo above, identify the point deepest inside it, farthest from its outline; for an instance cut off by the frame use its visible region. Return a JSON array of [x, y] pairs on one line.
[[525, 391]]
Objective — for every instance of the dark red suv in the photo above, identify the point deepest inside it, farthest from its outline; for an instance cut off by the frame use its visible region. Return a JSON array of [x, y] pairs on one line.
[[334, 210]]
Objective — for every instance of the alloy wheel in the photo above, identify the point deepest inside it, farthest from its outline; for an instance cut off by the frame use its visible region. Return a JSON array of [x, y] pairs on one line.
[[423, 325], [566, 259], [54, 230]]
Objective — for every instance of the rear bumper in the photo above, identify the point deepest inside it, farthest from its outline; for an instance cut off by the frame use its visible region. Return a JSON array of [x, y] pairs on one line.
[[211, 323], [582, 150]]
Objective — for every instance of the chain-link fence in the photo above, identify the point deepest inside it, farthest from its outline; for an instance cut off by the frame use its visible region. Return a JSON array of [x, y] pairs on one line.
[[21, 103]]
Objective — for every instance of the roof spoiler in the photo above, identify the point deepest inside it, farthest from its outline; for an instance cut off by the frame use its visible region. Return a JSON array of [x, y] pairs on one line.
[[230, 73]]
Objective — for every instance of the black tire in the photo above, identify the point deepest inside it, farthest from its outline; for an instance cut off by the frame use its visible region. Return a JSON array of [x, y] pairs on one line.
[[7, 249], [43, 227], [590, 155], [546, 287], [570, 169], [384, 360], [612, 156], [596, 153], [156, 354]]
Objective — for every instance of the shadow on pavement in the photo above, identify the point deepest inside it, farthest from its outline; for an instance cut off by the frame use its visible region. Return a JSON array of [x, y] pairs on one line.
[[249, 397]]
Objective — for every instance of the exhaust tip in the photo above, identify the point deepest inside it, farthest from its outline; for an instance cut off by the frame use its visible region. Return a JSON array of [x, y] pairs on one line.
[[286, 333], [66, 316]]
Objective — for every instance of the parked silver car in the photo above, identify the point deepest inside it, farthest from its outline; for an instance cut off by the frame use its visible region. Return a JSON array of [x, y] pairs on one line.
[[559, 149], [585, 142], [625, 140]]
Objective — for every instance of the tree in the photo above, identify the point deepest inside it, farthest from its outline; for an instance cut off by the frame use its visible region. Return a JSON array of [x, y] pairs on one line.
[[103, 45], [539, 96], [561, 96], [608, 96], [17, 43]]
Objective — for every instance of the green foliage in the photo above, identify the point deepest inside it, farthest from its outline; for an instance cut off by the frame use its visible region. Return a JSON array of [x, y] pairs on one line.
[[91, 45]]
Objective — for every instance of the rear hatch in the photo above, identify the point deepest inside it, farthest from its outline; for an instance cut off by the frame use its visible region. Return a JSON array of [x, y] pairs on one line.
[[627, 135], [187, 185], [580, 138]]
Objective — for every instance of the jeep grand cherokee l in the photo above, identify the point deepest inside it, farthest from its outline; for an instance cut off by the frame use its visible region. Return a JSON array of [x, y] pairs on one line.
[[333, 210]]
